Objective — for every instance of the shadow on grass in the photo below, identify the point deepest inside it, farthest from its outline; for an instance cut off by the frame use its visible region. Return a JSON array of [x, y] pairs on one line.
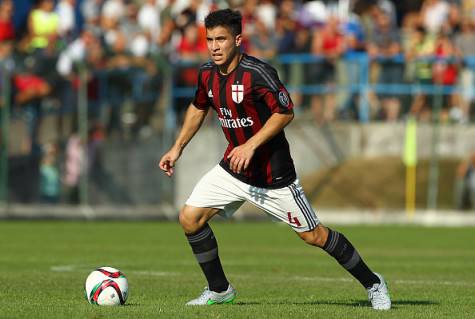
[[356, 303]]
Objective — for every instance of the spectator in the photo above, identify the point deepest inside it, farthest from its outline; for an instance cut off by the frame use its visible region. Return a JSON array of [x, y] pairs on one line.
[[422, 48], [49, 175], [434, 14], [327, 43], [385, 48], [67, 19], [292, 37], [73, 168], [445, 73], [354, 51], [43, 25], [263, 44], [192, 46], [7, 28], [465, 184], [148, 19], [248, 11], [465, 46]]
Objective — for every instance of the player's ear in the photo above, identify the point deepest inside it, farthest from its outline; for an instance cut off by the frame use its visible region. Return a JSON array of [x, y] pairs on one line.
[[238, 40]]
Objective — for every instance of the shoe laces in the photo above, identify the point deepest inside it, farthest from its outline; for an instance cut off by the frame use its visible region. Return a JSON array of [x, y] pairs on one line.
[[374, 291], [205, 295]]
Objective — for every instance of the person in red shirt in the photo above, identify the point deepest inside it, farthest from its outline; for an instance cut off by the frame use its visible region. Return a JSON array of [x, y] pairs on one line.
[[329, 44], [253, 107], [7, 29]]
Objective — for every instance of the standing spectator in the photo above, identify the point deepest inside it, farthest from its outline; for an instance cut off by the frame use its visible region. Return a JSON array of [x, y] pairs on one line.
[[49, 175], [73, 168], [43, 25], [465, 46], [248, 21], [422, 48], [192, 45], [327, 43], [434, 14], [464, 192], [354, 50], [113, 9], [67, 19], [7, 29], [292, 37], [385, 48], [148, 19], [445, 72], [263, 42]]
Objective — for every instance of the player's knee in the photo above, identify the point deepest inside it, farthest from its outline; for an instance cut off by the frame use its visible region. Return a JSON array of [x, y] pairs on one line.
[[187, 221], [316, 237]]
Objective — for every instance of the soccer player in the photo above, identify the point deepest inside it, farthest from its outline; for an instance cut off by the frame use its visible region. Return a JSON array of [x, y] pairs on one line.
[[253, 107]]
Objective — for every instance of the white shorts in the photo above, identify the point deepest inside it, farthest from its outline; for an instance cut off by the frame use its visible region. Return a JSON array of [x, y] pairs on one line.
[[219, 189]]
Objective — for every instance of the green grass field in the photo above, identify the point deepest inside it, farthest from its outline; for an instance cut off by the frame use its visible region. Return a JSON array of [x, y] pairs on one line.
[[43, 265]]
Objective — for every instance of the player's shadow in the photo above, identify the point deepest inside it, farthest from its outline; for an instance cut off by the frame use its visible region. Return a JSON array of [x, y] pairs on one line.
[[355, 303]]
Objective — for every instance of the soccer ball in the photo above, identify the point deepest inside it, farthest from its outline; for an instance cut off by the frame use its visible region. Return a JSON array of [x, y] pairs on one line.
[[106, 286]]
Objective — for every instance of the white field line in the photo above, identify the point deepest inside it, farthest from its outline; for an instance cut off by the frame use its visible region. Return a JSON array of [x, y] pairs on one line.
[[396, 281], [73, 268]]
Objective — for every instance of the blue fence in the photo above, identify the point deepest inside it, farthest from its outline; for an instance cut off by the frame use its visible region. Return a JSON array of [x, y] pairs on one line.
[[359, 83]]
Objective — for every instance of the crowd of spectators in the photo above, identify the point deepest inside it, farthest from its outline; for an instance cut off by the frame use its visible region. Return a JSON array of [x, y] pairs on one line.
[[128, 44], [127, 48]]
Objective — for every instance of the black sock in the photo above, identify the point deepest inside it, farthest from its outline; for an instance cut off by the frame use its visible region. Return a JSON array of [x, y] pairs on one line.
[[204, 246], [347, 256]]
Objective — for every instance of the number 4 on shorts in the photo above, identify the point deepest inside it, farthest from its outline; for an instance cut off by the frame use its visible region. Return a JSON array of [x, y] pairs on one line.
[[293, 220]]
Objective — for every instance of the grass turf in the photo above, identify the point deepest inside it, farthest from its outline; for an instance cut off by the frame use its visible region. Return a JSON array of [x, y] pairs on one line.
[[43, 265]]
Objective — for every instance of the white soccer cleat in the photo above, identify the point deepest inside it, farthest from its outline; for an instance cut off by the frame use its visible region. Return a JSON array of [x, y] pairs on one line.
[[379, 295], [209, 297]]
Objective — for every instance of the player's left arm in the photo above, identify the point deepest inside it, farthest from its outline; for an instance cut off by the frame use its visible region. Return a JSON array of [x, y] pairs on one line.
[[241, 156]]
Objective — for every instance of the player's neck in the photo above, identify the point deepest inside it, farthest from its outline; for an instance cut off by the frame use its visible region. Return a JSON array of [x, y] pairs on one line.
[[227, 68]]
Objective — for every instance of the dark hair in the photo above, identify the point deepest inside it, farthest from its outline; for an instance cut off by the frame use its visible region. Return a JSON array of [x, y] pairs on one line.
[[231, 19]]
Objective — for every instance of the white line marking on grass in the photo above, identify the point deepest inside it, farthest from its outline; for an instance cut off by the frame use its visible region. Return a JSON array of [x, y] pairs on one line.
[[71, 268], [63, 268], [397, 281], [154, 273], [349, 279]]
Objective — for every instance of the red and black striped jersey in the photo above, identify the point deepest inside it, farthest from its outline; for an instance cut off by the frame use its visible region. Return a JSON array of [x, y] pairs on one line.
[[244, 100]]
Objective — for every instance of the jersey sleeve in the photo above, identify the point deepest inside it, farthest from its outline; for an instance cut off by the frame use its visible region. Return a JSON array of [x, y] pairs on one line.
[[201, 100], [273, 92]]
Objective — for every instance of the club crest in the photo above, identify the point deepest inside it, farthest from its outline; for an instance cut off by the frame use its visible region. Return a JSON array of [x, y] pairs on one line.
[[283, 99], [237, 92]]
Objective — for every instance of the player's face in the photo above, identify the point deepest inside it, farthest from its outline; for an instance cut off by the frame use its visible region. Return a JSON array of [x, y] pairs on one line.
[[223, 46]]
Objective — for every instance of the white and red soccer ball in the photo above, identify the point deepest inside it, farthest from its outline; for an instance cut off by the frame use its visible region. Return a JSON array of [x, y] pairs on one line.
[[106, 286]]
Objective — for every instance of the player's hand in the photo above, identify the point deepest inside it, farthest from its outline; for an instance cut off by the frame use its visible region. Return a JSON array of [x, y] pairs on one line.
[[167, 162], [240, 157]]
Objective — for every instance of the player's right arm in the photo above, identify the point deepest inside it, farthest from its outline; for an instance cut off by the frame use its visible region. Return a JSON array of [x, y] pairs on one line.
[[193, 119]]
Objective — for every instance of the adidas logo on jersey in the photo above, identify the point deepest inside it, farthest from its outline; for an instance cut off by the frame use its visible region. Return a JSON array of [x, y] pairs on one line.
[[210, 93]]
